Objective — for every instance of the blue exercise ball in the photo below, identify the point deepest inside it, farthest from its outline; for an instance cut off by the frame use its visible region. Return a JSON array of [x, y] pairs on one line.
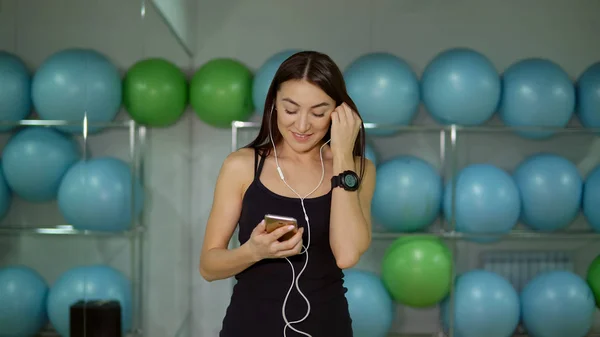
[[588, 96], [95, 282], [536, 93], [371, 154], [551, 191], [557, 304], [371, 307], [35, 160], [23, 294], [591, 199], [74, 83], [485, 304], [385, 90], [264, 76], [5, 194], [15, 89], [486, 199], [408, 194], [461, 86], [96, 194]]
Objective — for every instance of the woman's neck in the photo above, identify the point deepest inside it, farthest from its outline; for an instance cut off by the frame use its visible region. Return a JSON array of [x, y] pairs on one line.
[[313, 155]]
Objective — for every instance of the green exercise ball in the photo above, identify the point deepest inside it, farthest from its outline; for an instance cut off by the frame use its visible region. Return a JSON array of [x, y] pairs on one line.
[[155, 92], [221, 92], [593, 279], [417, 271]]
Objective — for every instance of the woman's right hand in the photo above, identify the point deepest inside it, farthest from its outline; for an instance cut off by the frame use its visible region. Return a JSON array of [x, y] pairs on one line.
[[265, 245]]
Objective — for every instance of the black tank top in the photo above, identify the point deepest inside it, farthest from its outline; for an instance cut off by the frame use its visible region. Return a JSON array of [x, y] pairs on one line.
[[257, 299]]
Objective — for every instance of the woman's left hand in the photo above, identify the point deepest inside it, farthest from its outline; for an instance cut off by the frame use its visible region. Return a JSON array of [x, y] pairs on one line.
[[345, 125]]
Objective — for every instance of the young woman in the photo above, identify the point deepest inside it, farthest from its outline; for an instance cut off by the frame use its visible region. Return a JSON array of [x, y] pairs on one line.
[[307, 162]]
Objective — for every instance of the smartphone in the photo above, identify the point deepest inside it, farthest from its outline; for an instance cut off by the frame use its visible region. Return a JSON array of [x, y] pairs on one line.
[[272, 222]]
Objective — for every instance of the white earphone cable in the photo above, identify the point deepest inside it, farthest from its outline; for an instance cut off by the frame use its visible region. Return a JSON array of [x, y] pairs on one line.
[[295, 279]]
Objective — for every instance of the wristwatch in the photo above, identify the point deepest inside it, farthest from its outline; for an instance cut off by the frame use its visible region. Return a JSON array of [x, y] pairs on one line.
[[348, 180]]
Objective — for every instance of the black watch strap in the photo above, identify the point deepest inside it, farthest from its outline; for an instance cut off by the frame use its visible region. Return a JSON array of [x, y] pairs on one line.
[[336, 181], [341, 180]]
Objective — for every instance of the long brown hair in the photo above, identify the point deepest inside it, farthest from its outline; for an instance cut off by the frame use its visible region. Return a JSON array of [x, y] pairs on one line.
[[320, 70]]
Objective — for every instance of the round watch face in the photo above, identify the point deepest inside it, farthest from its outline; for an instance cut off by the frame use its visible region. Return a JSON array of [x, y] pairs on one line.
[[350, 180]]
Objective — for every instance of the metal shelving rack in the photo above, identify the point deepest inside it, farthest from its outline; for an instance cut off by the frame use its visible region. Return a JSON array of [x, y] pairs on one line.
[[136, 144], [448, 137]]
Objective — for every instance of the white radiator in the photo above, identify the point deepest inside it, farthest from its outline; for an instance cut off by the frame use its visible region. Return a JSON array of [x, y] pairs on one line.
[[521, 267]]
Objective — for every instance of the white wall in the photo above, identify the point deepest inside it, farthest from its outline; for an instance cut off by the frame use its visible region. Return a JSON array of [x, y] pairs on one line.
[[251, 31]]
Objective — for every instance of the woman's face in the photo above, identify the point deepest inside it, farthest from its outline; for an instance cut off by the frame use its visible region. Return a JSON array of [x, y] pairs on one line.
[[303, 114]]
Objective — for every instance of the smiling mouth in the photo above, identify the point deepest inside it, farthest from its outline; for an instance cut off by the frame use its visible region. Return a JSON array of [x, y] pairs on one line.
[[301, 137]]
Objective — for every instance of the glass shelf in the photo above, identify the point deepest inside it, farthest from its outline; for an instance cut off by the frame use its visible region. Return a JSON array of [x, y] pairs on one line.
[[514, 234], [52, 333], [458, 128], [66, 230], [42, 122], [444, 335]]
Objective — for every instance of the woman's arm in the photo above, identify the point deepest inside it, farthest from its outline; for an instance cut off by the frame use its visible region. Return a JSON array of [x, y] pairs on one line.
[[216, 260], [350, 222]]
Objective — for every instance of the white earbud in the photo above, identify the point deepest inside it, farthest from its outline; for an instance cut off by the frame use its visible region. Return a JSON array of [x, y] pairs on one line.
[[295, 278]]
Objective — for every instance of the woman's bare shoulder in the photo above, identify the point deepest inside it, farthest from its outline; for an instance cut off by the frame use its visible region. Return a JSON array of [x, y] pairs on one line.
[[239, 166], [240, 160]]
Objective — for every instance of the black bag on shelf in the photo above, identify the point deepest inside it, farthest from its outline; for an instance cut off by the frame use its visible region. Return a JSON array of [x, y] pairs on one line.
[[95, 319]]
